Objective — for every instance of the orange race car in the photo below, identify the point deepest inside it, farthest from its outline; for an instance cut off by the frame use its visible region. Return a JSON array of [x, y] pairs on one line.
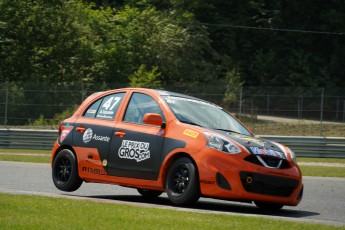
[[158, 141]]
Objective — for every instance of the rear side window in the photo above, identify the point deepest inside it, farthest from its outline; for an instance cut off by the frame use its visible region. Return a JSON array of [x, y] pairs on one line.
[[92, 110], [105, 108]]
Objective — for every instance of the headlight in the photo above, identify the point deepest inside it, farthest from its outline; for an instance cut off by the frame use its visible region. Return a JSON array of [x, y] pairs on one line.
[[221, 144], [292, 155]]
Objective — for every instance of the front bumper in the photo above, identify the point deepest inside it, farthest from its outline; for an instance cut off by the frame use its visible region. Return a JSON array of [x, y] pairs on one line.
[[230, 177]]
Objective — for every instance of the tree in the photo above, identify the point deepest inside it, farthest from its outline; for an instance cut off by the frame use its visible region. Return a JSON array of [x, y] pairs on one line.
[[43, 42], [145, 79], [177, 44]]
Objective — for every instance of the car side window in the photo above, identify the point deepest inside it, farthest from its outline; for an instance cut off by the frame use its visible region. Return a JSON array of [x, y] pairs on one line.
[[105, 108], [138, 106], [92, 110]]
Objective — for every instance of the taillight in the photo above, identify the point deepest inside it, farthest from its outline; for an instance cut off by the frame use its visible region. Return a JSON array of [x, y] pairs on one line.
[[60, 129]]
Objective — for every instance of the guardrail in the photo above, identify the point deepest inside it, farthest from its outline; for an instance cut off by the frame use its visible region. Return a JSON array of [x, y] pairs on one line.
[[303, 146], [312, 146], [27, 139]]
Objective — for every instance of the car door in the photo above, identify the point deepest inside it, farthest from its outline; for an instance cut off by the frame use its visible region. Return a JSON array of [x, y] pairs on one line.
[[94, 129], [136, 149]]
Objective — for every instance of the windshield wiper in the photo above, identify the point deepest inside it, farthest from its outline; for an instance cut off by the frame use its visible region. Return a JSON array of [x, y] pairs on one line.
[[228, 130], [189, 122]]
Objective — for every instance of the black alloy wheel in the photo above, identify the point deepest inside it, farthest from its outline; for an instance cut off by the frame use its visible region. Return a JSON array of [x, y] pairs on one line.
[[182, 182], [65, 171]]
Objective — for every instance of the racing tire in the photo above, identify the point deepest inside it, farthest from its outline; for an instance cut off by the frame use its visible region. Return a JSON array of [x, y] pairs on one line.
[[149, 193], [65, 171], [182, 184], [268, 206]]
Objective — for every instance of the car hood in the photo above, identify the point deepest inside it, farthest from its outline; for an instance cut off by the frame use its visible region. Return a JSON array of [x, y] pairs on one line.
[[255, 145]]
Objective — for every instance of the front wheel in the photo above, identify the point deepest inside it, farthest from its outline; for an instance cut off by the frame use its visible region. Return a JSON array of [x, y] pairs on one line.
[[65, 171], [268, 206], [182, 182]]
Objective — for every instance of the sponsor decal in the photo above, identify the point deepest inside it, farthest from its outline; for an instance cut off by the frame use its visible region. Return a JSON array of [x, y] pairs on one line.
[[249, 139], [88, 136], [101, 138], [91, 170], [256, 141], [134, 150], [191, 133], [268, 152], [161, 132], [206, 182], [91, 111], [65, 130]]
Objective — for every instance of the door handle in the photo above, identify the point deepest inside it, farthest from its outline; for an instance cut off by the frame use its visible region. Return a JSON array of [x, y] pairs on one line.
[[80, 129], [120, 134]]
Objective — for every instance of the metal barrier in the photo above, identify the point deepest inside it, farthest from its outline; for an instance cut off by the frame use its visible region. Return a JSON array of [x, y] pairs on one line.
[[27, 138], [303, 146], [312, 146]]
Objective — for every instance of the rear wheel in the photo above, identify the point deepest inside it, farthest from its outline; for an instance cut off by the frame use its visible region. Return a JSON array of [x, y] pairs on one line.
[[65, 171], [182, 182], [268, 206], [149, 193]]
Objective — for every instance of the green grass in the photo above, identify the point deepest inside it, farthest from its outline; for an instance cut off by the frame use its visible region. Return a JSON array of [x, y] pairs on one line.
[[25, 151], [323, 171], [326, 160], [11, 155], [25, 158], [296, 129], [38, 212]]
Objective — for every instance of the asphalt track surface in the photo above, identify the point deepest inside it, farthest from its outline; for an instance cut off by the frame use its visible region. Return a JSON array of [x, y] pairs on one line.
[[323, 201]]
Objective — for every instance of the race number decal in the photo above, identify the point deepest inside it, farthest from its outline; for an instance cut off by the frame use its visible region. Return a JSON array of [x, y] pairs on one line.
[[107, 111]]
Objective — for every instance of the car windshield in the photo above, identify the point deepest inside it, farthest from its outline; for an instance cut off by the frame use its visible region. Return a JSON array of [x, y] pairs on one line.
[[204, 114]]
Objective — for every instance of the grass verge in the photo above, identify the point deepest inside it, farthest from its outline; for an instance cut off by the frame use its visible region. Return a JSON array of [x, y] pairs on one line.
[[299, 128], [38, 212], [25, 155], [325, 160], [25, 158], [323, 171], [25, 151]]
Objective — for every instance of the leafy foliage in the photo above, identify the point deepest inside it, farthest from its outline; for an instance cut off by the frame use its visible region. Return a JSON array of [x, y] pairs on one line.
[[189, 41], [54, 123], [180, 43], [145, 79]]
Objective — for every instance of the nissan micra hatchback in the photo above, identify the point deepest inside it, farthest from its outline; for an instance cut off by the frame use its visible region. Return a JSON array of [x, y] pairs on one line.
[[158, 141]]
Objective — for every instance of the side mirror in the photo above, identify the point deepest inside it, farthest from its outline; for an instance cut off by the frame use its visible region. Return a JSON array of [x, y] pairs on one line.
[[153, 119]]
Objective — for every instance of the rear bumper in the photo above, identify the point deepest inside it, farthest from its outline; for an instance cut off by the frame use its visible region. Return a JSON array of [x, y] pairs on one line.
[[54, 151]]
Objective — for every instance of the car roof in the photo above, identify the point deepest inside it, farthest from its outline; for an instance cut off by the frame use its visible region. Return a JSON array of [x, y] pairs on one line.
[[173, 94], [157, 91]]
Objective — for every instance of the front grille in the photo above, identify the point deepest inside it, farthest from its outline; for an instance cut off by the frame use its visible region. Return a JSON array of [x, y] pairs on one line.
[[267, 184], [271, 162], [268, 161]]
